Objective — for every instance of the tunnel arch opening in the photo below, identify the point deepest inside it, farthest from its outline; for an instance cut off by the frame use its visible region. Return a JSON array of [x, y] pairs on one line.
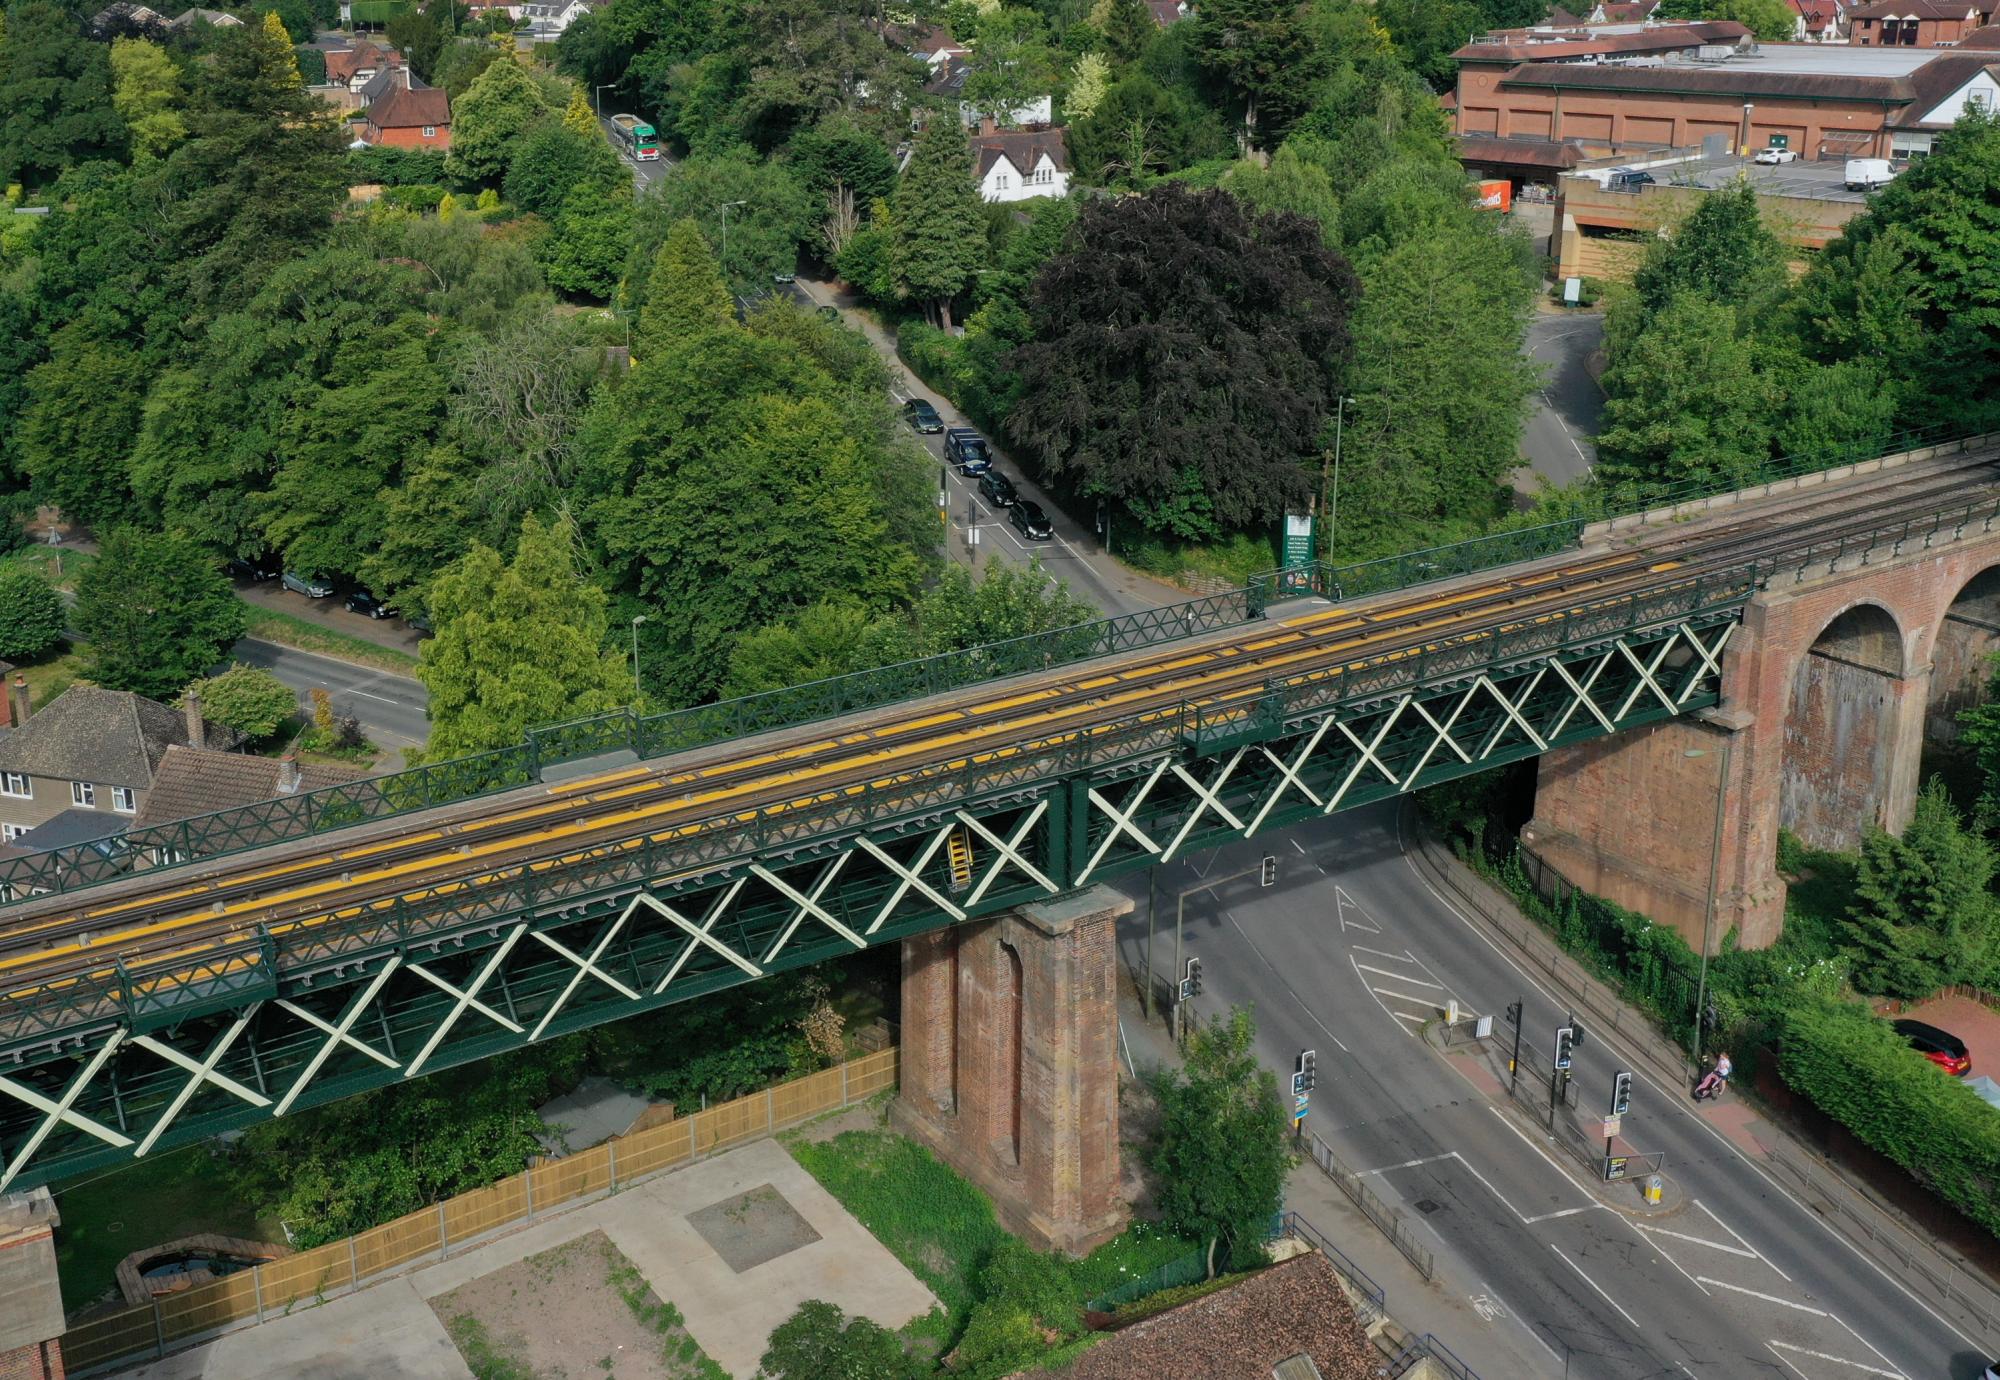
[[1843, 732]]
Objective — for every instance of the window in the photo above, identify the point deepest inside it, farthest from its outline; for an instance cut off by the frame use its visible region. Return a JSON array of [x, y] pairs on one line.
[[16, 783], [10, 832], [124, 800], [1000, 182], [83, 793], [1979, 100], [430, 131]]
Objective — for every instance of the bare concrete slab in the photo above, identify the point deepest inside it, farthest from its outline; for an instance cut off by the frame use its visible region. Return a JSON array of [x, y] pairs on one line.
[[388, 1330], [752, 1228]]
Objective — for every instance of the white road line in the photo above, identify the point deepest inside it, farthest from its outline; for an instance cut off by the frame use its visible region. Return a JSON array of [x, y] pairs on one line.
[[1678, 1266], [1296, 844], [1565, 1212], [1419, 998], [1768, 1298], [1400, 977], [1837, 1360], [1561, 1173], [1739, 1240], [1785, 1361], [1720, 1139], [1859, 1338], [1407, 1164], [1697, 1240], [1467, 1164], [1594, 1284], [1406, 1016], [366, 695], [1380, 953], [1393, 1015], [1297, 1000]]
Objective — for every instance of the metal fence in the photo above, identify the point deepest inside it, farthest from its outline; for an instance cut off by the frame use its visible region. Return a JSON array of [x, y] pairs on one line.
[[1186, 1270], [1371, 1304], [1390, 1222], [310, 1277], [1444, 1361]]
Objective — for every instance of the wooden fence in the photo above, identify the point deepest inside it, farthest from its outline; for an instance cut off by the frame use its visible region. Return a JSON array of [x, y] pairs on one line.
[[310, 1277]]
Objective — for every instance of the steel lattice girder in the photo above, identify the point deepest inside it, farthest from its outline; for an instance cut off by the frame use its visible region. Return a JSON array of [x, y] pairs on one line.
[[290, 1019]]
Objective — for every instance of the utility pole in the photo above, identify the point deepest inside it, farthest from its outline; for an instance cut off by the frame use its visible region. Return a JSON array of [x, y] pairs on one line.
[[1331, 505], [1152, 895], [1708, 911], [725, 236], [1266, 871], [637, 692], [1514, 1013]]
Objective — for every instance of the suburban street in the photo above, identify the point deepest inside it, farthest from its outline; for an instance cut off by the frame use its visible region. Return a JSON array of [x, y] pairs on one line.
[[1350, 954], [389, 707], [1557, 442]]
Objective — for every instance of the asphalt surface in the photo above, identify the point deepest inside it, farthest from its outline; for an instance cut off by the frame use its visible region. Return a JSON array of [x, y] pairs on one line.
[[644, 175], [1558, 442], [390, 708], [1349, 954]]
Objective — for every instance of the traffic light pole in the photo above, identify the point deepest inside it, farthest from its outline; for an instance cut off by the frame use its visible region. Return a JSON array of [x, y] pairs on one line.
[[1515, 1014], [1266, 871]]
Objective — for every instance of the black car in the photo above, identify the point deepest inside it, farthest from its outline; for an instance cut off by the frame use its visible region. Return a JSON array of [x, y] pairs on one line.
[[967, 449], [256, 569], [922, 416], [829, 313], [1941, 1047], [1029, 519], [362, 602], [997, 487]]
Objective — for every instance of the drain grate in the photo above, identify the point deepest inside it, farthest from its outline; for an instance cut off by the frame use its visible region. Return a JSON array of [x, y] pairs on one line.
[[1427, 1206]]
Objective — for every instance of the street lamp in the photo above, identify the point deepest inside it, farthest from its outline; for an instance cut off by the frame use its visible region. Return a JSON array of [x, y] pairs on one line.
[[1708, 910], [1332, 507], [599, 93], [637, 692], [725, 233]]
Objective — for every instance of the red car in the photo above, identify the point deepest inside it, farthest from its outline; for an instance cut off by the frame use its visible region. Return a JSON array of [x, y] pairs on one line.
[[1941, 1047]]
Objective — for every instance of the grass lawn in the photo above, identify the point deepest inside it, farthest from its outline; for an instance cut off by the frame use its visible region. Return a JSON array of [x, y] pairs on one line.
[[268, 625], [107, 1216], [56, 564], [52, 673]]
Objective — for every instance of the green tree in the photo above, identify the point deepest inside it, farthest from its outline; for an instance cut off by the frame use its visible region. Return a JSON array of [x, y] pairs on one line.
[[1127, 27], [1263, 51], [420, 39], [578, 120], [1026, 1307], [1141, 128], [684, 292], [55, 95], [1686, 402], [1185, 354], [1428, 32], [1013, 65], [1837, 410], [552, 160], [1010, 601], [31, 614], [1220, 1155], [1769, 21], [154, 612], [805, 59], [817, 643], [461, 63], [938, 228], [770, 216], [499, 107], [589, 242], [1087, 85], [146, 92], [1293, 181], [819, 1342], [519, 642], [248, 699], [1923, 912], [80, 417], [1723, 251], [838, 153]]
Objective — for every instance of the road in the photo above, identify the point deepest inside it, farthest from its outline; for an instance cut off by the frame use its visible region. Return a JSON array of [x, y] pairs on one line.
[[390, 708], [1558, 443], [644, 175], [1349, 954]]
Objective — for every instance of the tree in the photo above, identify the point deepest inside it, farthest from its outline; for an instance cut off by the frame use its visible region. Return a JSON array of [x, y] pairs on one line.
[[935, 218], [589, 242], [154, 612], [1722, 251], [837, 153], [684, 292], [578, 120], [518, 643], [1428, 32], [1292, 181], [1141, 128], [819, 1342], [1770, 21], [1263, 51], [461, 63], [1923, 912], [552, 161], [420, 39], [1219, 1155], [817, 643], [1027, 1305], [248, 699], [770, 214], [1686, 402], [805, 59], [1838, 410], [1185, 355], [31, 614], [147, 95], [1012, 66], [1087, 85], [1127, 26], [1010, 601], [55, 95], [80, 417], [500, 106]]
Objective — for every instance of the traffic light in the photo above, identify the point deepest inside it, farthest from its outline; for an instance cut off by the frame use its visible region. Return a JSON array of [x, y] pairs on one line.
[[1576, 1032], [1307, 1072], [1193, 979], [1269, 875], [1565, 1042], [1621, 1092]]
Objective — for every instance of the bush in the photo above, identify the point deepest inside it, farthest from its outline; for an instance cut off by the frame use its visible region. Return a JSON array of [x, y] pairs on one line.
[[248, 699], [1857, 1070], [1027, 1304], [819, 1342], [31, 615], [415, 196], [394, 167]]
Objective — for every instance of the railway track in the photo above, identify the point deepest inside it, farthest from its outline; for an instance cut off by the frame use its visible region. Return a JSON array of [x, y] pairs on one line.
[[717, 789]]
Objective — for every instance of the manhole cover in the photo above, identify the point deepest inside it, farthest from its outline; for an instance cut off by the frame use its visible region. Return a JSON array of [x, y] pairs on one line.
[[1427, 1205]]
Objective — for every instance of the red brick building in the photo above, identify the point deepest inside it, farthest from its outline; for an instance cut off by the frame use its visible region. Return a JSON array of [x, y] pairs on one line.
[[1917, 23], [409, 117]]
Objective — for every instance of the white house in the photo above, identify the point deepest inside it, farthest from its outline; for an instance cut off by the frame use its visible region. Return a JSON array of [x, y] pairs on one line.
[[1016, 164], [1956, 80], [547, 19], [950, 84]]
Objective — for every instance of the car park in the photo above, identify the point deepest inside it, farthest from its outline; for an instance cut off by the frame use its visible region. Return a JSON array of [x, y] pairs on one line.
[[998, 488], [1628, 179], [256, 569], [1776, 154], [1866, 174], [366, 604], [1029, 519], [922, 416], [1941, 1047], [967, 449], [312, 586]]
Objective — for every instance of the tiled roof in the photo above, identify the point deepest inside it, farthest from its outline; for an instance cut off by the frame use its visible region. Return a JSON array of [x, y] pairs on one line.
[[1987, 36], [1666, 38], [107, 737], [343, 63], [1023, 148], [390, 79], [1167, 12], [401, 108], [950, 80], [1920, 9], [195, 781], [1721, 79], [1631, 12], [1937, 79], [1241, 1333]]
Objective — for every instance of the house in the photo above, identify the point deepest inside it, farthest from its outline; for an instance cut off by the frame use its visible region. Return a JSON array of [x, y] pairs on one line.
[[930, 44], [485, 8], [353, 68], [547, 19], [194, 781], [1168, 12], [409, 115], [949, 84], [123, 19], [89, 749], [187, 19], [1818, 21], [1917, 23], [1016, 164]]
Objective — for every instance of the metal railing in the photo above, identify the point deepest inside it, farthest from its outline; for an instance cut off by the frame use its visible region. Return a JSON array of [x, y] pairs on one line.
[[1371, 1304], [1390, 1222], [1172, 1275], [1428, 1348]]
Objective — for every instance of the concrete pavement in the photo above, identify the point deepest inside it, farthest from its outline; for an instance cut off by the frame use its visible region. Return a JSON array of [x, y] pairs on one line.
[[1352, 954], [1559, 443]]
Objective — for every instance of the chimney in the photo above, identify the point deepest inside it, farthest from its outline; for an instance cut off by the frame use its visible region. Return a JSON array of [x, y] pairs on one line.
[[987, 124], [288, 774], [17, 695], [197, 730]]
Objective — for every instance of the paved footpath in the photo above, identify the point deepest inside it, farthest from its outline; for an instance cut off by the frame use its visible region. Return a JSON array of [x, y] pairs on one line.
[[388, 1329]]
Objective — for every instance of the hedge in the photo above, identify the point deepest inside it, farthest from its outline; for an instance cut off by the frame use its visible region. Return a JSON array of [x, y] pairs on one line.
[[1861, 1073]]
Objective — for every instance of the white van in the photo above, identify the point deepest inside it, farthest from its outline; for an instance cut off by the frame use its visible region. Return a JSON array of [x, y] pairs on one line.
[[1866, 174]]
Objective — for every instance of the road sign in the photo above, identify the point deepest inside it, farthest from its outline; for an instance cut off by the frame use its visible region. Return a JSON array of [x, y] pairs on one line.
[[1299, 1101], [1610, 1127], [1614, 1168], [1298, 540]]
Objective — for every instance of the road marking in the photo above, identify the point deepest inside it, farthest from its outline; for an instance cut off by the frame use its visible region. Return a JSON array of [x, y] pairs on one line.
[[1697, 1240], [1678, 1266], [1837, 1360], [1485, 1305], [1296, 844], [1408, 1164], [1565, 1212], [350, 690], [1400, 977], [1858, 1337], [1595, 1285], [1341, 901], [1297, 1000], [1739, 1240], [1561, 1173], [1393, 1015], [1380, 953], [1417, 997], [1768, 1298], [1406, 1016]]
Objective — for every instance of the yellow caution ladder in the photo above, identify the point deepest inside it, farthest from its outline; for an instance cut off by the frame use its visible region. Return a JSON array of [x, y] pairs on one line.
[[959, 847]]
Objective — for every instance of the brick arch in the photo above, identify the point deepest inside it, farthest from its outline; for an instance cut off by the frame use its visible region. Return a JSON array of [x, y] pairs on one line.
[[1967, 633], [1842, 733]]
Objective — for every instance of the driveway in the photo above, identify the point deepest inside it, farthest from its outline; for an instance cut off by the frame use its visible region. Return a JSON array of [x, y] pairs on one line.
[[1559, 442]]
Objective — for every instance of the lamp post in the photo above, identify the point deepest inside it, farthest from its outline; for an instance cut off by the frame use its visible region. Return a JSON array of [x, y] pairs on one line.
[[599, 93], [1708, 910], [725, 234], [1332, 506], [637, 692]]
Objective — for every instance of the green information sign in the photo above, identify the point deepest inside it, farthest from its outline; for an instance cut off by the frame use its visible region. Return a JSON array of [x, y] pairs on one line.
[[1298, 540]]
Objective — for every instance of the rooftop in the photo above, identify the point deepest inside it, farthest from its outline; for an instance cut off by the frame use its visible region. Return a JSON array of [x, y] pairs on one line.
[[196, 781], [1839, 58], [105, 737]]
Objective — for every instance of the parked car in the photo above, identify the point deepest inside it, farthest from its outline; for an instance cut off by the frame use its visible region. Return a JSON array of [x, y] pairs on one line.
[[1941, 1047], [967, 449], [998, 487], [1628, 179], [421, 622], [366, 604], [922, 416], [312, 586], [1775, 154], [1029, 519], [785, 277], [256, 569], [1866, 174], [828, 313]]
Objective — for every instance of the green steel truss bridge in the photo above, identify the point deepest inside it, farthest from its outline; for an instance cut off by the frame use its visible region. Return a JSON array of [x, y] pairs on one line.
[[162, 994]]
